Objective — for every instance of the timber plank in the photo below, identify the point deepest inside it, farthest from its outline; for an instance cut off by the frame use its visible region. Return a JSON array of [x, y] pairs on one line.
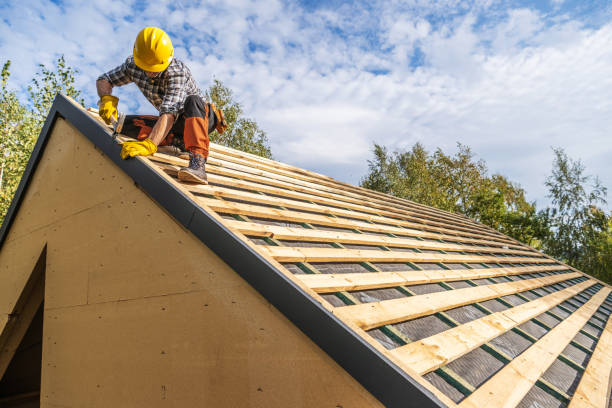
[[371, 315], [254, 176], [249, 185], [523, 372], [220, 179], [594, 388], [433, 352], [401, 204], [300, 205], [297, 216], [298, 254], [418, 212], [232, 193], [329, 283], [314, 235]]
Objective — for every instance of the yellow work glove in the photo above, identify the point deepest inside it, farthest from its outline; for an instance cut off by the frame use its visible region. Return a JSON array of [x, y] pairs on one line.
[[107, 108], [142, 148]]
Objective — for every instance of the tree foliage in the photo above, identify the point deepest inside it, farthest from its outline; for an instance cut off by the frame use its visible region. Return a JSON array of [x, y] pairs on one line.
[[458, 183], [573, 229], [242, 133], [20, 124], [577, 230]]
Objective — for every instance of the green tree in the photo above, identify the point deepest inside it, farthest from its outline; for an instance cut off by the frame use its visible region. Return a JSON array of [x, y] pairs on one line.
[[20, 124], [242, 133], [47, 83], [577, 230], [458, 183]]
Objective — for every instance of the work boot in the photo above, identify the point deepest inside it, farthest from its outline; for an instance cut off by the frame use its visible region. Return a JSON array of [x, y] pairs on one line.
[[196, 172]]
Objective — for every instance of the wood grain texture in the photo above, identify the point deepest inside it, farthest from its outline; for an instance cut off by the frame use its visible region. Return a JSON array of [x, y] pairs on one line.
[[298, 216], [376, 314], [295, 254], [402, 206], [328, 283], [260, 177], [257, 198], [423, 215], [433, 352], [594, 388], [509, 386], [316, 235]]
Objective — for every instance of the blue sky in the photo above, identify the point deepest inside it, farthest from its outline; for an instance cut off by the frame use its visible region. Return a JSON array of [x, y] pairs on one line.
[[327, 79]]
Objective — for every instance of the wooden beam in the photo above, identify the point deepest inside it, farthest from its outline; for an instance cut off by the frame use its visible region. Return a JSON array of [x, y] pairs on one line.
[[297, 254], [594, 388], [250, 210], [316, 235], [422, 213], [509, 386], [329, 283], [249, 185], [371, 315], [400, 204], [300, 205], [259, 178], [433, 352]]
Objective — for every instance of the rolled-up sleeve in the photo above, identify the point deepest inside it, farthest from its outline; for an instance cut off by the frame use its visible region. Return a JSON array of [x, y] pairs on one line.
[[118, 76], [175, 96]]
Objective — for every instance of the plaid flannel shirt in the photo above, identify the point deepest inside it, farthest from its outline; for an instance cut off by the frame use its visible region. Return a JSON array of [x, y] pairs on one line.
[[167, 92]]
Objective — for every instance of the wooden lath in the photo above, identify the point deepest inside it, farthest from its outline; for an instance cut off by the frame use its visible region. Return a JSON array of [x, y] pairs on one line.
[[509, 386], [330, 283], [300, 205], [291, 254], [594, 388], [433, 352], [259, 211], [314, 235], [427, 215], [371, 315], [403, 206], [242, 172]]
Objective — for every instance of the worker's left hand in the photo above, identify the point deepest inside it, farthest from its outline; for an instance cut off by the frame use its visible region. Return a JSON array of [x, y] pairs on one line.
[[142, 148]]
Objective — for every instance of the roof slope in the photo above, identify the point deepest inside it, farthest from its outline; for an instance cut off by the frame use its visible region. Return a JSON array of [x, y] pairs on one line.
[[423, 307]]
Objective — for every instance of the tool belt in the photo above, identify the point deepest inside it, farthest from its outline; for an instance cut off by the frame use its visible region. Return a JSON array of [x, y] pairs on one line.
[[220, 124]]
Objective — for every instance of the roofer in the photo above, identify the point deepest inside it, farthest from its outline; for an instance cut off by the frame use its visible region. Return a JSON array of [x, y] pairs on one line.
[[185, 118]]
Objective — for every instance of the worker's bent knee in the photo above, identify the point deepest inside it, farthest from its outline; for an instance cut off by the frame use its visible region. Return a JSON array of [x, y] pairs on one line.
[[194, 106]]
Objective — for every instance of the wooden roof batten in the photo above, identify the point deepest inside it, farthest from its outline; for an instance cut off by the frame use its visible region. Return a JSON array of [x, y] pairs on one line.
[[352, 268]]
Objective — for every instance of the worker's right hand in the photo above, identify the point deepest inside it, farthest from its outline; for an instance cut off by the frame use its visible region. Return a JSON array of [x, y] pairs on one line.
[[107, 108]]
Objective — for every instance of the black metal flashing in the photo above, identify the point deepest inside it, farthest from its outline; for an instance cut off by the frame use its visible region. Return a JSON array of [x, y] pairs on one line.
[[383, 379]]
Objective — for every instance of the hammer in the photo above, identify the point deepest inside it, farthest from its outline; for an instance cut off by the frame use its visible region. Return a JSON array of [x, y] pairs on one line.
[[117, 125]]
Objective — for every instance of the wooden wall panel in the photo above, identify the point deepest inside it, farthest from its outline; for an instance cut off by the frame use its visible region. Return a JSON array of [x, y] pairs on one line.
[[139, 313], [61, 186], [17, 259]]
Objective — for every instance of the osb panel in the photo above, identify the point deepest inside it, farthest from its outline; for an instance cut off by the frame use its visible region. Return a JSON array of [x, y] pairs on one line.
[[139, 313], [99, 252], [59, 181], [195, 349], [17, 260]]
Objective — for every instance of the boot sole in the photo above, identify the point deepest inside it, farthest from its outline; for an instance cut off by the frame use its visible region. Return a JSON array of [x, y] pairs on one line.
[[187, 176]]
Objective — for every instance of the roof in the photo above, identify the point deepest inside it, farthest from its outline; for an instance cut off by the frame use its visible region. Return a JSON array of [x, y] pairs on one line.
[[417, 304]]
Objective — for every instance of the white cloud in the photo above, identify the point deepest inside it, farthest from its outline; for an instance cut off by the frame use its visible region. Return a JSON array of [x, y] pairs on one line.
[[510, 83]]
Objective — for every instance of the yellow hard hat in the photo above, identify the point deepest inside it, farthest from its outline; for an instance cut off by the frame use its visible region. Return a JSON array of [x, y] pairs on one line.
[[153, 49]]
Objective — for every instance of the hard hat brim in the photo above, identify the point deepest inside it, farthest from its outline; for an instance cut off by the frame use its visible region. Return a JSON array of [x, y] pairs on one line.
[[151, 68]]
